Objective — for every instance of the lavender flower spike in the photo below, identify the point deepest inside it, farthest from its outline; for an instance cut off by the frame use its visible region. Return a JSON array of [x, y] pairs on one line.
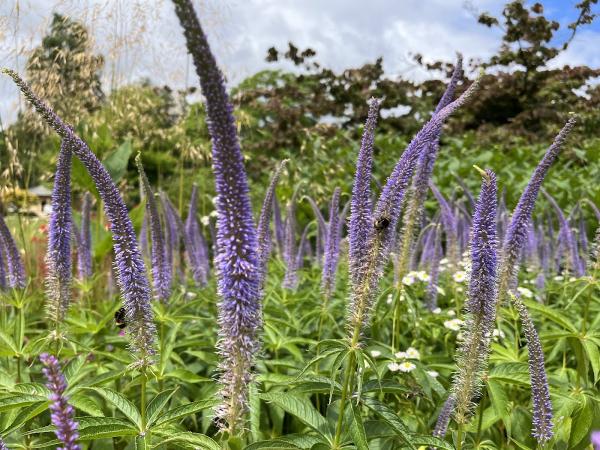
[[62, 414], [361, 207], [480, 307], [130, 266], [441, 425], [58, 255], [3, 284], [196, 254], [332, 246], [264, 220], [14, 263], [519, 223], [84, 254], [161, 269], [237, 245], [540, 392], [3, 445]]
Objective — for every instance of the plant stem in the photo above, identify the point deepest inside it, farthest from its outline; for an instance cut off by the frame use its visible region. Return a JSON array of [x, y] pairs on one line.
[[459, 437], [350, 369]]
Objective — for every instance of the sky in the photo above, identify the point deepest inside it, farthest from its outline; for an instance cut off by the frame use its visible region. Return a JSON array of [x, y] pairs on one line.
[[142, 38]]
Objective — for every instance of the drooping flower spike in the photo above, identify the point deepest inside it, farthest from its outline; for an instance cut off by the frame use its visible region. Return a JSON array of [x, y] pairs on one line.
[[237, 260], [58, 254], [14, 263], [161, 268], [332, 246], [516, 232], [62, 413], [264, 221], [540, 391], [131, 270]]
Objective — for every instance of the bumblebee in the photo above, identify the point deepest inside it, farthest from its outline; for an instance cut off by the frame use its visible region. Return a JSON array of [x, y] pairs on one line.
[[121, 318], [381, 223]]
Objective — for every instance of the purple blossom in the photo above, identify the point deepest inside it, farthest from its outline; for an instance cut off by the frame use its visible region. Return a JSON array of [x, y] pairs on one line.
[[434, 265], [450, 226], [480, 307], [540, 392], [3, 284], [290, 279], [58, 254], [199, 251], [237, 260], [264, 222], [84, 254], [595, 439], [321, 229], [332, 246], [278, 225], [441, 425], [171, 231], [161, 269], [130, 266], [62, 413], [516, 232], [3, 445], [14, 263]]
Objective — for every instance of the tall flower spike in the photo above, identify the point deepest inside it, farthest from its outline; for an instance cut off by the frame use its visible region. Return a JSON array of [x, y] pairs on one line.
[[14, 263], [171, 233], [441, 425], [130, 266], [450, 226], [62, 413], [321, 229], [332, 246], [290, 252], [237, 258], [84, 255], [197, 253], [58, 254], [161, 269], [516, 232], [3, 284], [434, 269], [540, 392], [361, 207], [480, 308], [373, 233], [264, 222]]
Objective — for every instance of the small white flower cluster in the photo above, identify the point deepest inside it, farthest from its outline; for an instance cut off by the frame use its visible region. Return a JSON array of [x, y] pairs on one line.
[[525, 292], [453, 324], [460, 276], [405, 366], [413, 276]]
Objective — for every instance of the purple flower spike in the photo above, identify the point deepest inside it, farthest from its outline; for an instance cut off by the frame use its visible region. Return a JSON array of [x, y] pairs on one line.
[[58, 254], [264, 222], [332, 246], [516, 232], [361, 207], [171, 232], [62, 414], [441, 425], [290, 279], [14, 263], [595, 439], [3, 284], [450, 226], [3, 445], [237, 248], [161, 269], [480, 308], [130, 266], [432, 287], [540, 392], [84, 255], [321, 229], [198, 254]]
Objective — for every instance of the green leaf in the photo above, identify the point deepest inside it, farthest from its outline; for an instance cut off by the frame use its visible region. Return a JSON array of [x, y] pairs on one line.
[[91, 428], [187, 376], [191, 440], [301, 408], [357, 429], [157, 404], [582, 423], [85, 403], [430, 441], [513, 373], [593, 356], [122, 403], [19, 401], [117, 161], [551, 314], [7, 345], [185, 410], [391, 418], [24, 415]]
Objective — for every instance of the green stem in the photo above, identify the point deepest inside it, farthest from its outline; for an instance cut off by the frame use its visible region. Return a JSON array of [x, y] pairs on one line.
[[480, 421], [345, 388], [459, 437], [143, 399]]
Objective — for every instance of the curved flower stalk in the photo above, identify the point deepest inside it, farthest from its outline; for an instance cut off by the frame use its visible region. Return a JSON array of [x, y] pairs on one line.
[[420, 183], [371, 231], [161, 269], [62, 413], [565, 235], [84, 255], [264, 222], [540, 392], [131, 270], [332, 246], [58, 254], [480, 308], [516, 232], [290, 254], [237, 250], [14, 263]]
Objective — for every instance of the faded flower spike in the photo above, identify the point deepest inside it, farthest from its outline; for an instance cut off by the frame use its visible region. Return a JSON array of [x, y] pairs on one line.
[[480, 308], [131, 270], [237, 259], [62, 413], [58, 254]]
